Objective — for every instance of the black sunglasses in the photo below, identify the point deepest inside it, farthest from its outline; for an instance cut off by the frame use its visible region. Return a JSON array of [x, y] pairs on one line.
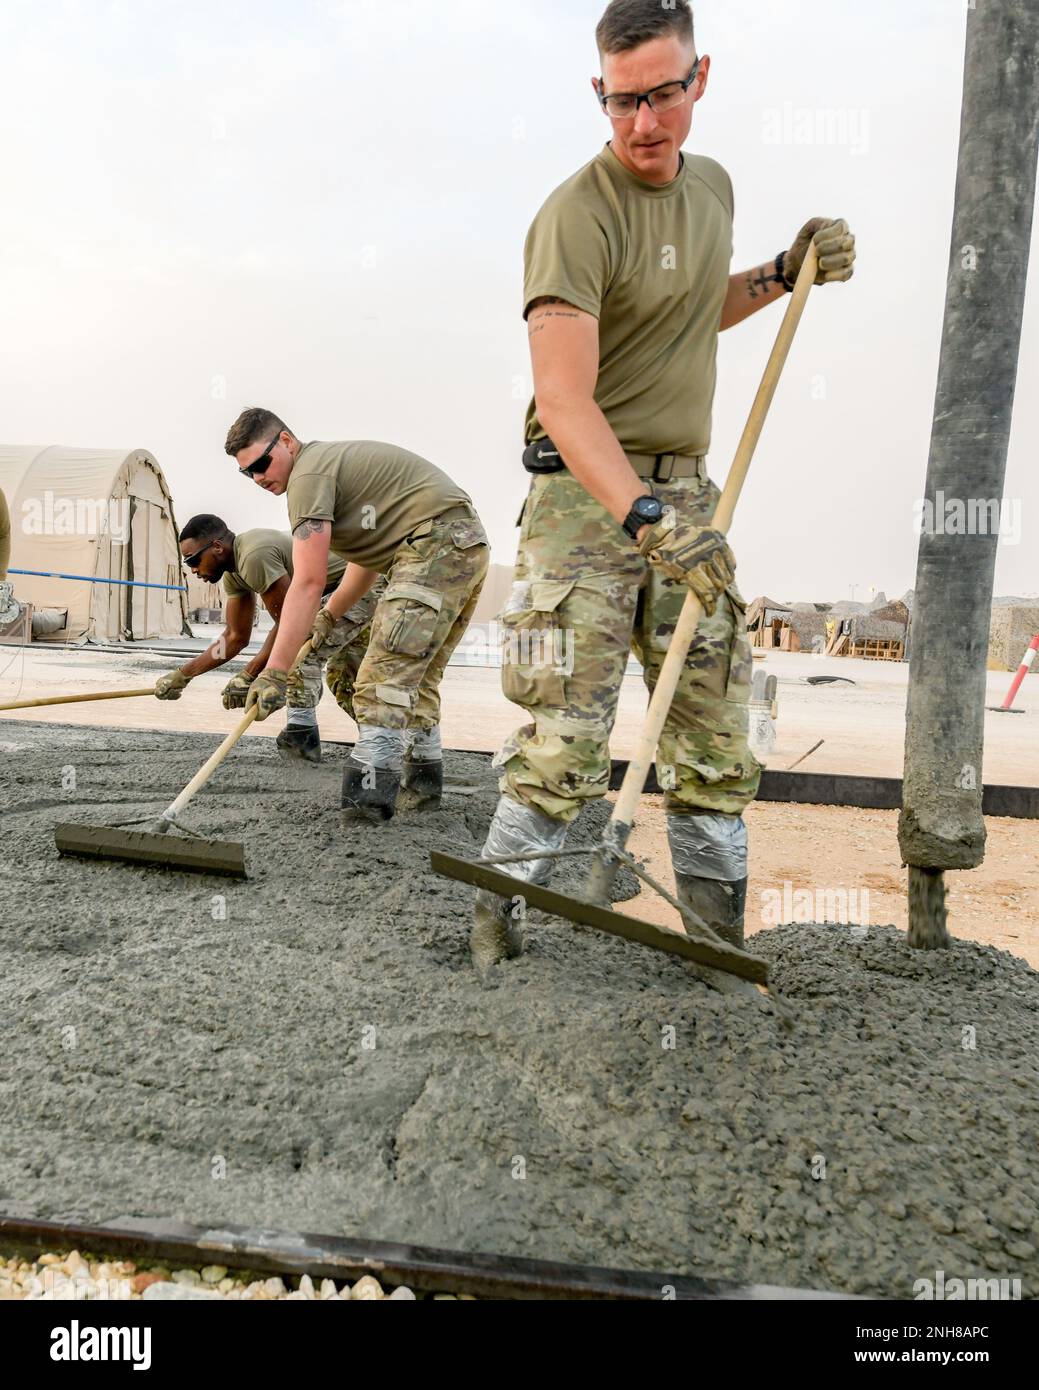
[[192, 561], [261, 464]]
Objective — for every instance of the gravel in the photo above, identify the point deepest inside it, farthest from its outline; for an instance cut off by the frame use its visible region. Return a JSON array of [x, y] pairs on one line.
[[74, 1278]]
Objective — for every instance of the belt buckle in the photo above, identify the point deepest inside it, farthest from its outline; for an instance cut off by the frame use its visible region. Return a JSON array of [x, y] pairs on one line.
[[663, 468]]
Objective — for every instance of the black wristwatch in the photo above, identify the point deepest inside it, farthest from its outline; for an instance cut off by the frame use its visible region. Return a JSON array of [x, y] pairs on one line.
[[645, 511]]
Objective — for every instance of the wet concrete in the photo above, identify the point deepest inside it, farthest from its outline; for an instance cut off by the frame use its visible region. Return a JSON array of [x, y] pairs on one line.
[[310, 1049]]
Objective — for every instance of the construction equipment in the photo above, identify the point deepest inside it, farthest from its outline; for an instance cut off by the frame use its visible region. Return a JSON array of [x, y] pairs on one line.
[[186, 851], [77, 699], [699, 943], [942, 824]]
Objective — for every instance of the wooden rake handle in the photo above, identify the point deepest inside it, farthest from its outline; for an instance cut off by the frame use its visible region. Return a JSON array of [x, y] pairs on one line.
[[211, 764], [76, 699], [692, 611]]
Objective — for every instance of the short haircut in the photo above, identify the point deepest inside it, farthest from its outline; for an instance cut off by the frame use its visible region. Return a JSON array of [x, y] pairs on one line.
[[204, 527], [252, 425], [628, 23]]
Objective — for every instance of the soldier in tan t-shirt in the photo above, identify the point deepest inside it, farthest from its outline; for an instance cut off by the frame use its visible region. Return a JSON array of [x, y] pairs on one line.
[[386, 510], [258, 563], [626, 287]]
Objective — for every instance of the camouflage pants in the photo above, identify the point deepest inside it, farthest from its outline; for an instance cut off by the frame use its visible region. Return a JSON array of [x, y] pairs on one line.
[[340, 657], [433, 585], [583, 598]]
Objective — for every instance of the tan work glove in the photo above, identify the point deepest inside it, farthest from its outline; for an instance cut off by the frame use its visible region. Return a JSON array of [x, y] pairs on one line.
[[692, 555], [268, 692], [835, 246], [322, 629], [171, 687], [236, 691]]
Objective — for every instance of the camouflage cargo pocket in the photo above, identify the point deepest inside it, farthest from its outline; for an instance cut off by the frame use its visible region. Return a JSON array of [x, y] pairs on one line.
[[533, 665], [412, 612], [467, 533]]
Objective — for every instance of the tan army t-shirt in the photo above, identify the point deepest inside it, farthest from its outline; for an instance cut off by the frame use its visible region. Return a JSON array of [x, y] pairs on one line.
[[262, 556], [652, 265], [373, 494]]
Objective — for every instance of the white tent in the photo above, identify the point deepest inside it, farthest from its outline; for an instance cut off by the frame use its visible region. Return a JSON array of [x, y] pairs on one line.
[[101, 514]]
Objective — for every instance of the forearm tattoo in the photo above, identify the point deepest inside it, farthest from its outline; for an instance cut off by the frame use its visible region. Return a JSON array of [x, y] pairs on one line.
[[308, 528], [759, 282]]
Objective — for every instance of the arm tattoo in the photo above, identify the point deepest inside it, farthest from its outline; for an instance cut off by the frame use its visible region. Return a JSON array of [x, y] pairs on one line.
[[537, 324], [762, 279], [308, 528]]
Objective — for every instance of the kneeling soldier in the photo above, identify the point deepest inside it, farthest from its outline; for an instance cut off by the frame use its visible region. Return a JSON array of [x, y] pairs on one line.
[[259, 562], [386, 510]]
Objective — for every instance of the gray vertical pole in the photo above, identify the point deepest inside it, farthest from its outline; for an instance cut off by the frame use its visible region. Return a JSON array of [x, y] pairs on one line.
[[941, 825]]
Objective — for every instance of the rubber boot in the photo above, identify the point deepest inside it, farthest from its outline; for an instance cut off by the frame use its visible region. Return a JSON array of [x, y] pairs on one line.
[[424, 782], [369, 794], [719, 904], [300, 743], [497, 932]]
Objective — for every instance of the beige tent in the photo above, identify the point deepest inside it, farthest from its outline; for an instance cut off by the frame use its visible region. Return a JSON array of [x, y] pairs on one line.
[[102, 514]]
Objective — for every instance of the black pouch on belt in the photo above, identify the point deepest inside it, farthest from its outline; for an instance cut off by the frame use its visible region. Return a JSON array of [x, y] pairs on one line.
[[543, 457]]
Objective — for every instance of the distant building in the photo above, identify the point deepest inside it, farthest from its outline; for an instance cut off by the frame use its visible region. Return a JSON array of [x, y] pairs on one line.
[[875, 630]]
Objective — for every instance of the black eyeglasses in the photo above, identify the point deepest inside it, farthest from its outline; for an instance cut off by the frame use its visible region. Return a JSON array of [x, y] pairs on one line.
[[192, 561], [261, 464], [623, 105]]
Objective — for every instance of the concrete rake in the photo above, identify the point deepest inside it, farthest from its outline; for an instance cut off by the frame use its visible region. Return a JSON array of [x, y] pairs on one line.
[[699, 943], [187, 850]]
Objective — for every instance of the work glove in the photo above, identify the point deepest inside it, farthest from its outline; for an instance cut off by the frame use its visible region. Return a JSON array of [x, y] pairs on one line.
[[693, 555], [171, 687], [236, 690], [322, 629], [268, 692], [835, 245]]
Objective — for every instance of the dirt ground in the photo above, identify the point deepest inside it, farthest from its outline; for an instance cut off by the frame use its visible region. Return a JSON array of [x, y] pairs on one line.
[[829, 848], [862, 725]]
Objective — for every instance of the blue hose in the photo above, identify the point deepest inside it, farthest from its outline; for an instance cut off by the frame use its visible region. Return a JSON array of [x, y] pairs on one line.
[[85, 578]]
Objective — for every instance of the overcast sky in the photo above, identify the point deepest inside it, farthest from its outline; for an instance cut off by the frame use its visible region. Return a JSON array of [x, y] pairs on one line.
[[320, 206]]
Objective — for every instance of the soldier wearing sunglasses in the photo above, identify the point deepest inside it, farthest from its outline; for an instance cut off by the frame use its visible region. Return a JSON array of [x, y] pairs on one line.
[[258, 564], [627, 286], [387, 511]]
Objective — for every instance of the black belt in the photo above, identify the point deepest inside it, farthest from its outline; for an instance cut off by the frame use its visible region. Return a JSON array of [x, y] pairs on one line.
[[542, 456]]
